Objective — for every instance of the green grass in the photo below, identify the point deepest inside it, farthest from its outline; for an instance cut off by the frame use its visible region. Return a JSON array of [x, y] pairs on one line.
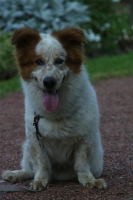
[[108, 67], [99, 68], [11, 85]]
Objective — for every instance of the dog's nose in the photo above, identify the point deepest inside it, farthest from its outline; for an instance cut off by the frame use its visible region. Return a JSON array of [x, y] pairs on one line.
[[49, 82]]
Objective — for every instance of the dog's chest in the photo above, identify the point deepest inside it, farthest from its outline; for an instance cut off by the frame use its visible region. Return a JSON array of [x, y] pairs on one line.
[[58, 129], [60, 139], [60, 150]]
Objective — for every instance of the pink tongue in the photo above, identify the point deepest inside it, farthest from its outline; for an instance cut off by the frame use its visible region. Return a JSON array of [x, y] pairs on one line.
[[50, 101]]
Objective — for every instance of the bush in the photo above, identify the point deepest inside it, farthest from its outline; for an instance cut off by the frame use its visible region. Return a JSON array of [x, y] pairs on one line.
[[109, 27], [45, 16], [7, 63]]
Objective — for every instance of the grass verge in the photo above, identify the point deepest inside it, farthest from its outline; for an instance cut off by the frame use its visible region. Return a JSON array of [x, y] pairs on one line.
[[11, 85], [108, 67]]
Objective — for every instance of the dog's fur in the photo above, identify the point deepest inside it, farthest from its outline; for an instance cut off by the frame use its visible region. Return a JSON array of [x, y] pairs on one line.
[[70, 132]]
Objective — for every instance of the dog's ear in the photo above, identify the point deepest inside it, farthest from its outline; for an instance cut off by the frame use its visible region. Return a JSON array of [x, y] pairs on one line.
[[72, 39], [70, 35], [23, 37]]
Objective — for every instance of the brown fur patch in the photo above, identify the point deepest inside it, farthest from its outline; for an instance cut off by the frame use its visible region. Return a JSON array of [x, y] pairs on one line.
[[72, 39], [25, 40]]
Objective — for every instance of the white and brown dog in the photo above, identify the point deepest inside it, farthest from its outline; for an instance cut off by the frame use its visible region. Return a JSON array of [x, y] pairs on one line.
[[56, 87]]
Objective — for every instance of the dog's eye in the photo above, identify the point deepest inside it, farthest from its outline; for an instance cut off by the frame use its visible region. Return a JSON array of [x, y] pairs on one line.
[[58, 61], [39, 62]]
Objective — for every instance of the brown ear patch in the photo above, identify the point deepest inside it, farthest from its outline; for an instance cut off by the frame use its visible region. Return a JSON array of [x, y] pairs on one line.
[[25, 41], [24, 36], [72, 40], [70, 34]]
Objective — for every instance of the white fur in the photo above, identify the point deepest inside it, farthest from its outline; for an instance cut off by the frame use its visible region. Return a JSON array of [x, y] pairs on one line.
[[70, 134]]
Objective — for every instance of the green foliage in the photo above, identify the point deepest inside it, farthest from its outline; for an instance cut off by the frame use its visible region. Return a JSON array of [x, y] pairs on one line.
[[7, 63], [10, 85], [45, 16], [111, 22]]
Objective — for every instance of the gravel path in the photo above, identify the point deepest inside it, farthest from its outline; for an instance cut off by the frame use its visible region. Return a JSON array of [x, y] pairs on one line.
[[115, 98]]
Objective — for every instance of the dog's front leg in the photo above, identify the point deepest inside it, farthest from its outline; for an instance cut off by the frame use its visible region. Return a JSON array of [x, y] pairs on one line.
[[35, 163], [82, 167], [41, 167]]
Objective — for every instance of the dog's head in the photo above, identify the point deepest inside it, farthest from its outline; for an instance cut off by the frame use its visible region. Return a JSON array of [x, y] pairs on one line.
[[47, 58]]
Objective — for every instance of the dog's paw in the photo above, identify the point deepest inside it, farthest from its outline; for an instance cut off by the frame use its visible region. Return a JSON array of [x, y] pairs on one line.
[[10, 176], [38, 184], [96, 183]]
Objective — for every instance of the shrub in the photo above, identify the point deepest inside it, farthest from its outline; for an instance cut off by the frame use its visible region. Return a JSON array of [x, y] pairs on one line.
[[7, 63], [45, 16], [108, 27]]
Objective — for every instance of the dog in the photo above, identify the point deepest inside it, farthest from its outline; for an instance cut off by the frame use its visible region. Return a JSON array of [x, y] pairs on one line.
[[56, 86]]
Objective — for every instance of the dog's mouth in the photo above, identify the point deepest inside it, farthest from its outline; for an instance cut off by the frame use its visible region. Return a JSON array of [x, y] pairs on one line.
[[51, 98]]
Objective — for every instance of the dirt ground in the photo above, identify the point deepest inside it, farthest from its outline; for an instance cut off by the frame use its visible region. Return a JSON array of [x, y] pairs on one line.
[[115, 98]]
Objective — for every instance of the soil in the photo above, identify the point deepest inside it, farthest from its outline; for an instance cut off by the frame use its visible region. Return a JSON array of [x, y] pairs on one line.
[[115, 97]]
